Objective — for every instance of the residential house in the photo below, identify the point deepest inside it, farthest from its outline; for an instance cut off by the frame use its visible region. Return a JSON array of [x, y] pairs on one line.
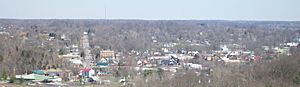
[[87, 72]]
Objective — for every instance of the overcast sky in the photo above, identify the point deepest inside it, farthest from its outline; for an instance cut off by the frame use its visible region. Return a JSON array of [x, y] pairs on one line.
[[279, 10]]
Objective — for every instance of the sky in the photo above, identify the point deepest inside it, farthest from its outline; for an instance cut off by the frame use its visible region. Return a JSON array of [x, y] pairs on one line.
[[271, 10]]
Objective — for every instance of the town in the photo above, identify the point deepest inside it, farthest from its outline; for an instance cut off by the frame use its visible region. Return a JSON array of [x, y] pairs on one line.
[[136, 53]]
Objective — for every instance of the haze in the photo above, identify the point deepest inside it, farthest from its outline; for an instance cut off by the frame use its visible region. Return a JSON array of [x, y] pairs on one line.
[[279, 10]]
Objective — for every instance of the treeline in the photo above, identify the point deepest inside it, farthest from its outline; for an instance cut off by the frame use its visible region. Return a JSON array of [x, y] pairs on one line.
[[19, 55], [137, 34]]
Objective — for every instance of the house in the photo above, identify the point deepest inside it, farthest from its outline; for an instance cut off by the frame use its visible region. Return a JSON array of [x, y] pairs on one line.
[[156, 53], [193, 53], [142, 62], [102, 63], [85, 33], [102, 67], [76, 61], [72, 57], [184, 57], [63, 37], [193, 66], [230, 60], [166, 50], [74, 48], [231, 57], [158, 57], [170, 61], [168, 45], [52, 35], [154, 41], [56, 72], [165, 62], [266, 48], [170, 69], [182, 51], [208, 57], [224, 48], [87, 72], [291, 44]]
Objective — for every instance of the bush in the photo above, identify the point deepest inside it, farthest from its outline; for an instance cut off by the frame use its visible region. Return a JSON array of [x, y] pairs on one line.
[[297, 79], [12, 79], [4, 76]]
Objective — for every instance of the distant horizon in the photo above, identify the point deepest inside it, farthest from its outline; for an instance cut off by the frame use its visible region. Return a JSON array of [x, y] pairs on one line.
[[235, 10], [111, 19]]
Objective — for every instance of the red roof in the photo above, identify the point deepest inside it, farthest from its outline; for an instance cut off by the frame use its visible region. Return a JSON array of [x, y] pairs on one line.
[[86, 69]]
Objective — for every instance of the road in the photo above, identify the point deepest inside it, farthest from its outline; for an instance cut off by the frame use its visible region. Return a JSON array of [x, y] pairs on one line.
[[87, 61]]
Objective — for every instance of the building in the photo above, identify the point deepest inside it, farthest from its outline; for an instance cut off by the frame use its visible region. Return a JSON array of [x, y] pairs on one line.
[[107, 54], [87, 72]]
